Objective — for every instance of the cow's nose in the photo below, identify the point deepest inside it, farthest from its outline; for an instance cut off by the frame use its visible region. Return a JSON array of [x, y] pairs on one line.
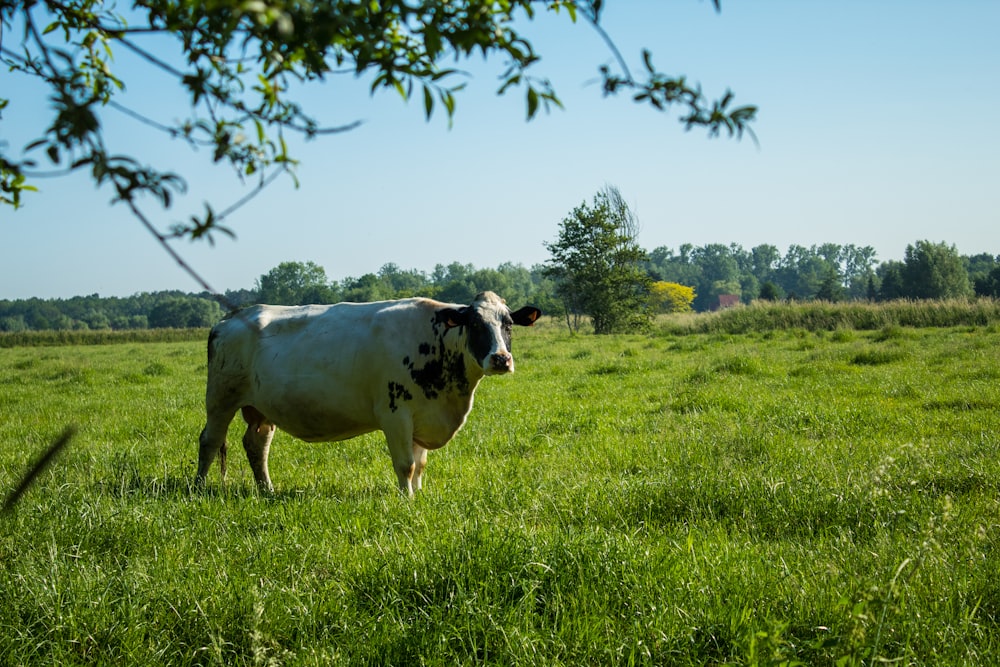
[[501, 361]]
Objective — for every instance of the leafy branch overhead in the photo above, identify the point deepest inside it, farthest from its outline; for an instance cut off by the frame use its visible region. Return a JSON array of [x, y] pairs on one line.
[[238, 60]]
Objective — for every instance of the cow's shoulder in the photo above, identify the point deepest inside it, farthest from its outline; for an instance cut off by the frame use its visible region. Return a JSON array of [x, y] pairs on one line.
[[413, 322]]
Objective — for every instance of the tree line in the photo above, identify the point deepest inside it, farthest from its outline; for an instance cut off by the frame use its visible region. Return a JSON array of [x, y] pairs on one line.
[[601, 271], [827, 272]]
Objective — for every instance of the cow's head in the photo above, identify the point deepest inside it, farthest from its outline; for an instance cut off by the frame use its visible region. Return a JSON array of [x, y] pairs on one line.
[[488, 323]]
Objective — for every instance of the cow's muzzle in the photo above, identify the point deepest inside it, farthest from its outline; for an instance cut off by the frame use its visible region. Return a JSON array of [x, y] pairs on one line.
[[501, 362]]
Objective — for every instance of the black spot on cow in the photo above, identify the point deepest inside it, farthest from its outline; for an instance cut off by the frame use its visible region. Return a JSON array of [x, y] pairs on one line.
[[430, 378], [442, 321], [397, 392], [480, 336], [444, 371]]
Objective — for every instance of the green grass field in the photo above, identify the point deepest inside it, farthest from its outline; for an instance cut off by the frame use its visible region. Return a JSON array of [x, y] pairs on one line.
[[787, 497]]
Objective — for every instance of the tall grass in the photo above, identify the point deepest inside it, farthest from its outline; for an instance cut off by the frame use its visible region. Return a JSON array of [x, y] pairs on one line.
[[784, 497], [98, 337], [820, 316]]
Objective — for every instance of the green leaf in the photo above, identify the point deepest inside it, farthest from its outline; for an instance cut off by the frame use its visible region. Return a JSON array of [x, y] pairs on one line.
[[428, 102], [449, 102], [398, 85], [512, 81], [532, 102]]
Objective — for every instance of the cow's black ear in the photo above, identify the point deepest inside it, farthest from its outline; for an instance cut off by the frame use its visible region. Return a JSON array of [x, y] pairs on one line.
[[525, 316], [453, 317]]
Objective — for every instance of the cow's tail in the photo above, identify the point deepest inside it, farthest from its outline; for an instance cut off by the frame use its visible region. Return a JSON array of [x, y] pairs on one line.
[[212, 335]]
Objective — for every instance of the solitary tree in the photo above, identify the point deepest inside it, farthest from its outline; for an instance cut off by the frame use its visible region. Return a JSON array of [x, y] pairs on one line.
[[596, 260], [238, 61]]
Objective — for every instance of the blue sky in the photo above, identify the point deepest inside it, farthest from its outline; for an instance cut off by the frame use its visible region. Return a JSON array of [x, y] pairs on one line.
[[877, 126]]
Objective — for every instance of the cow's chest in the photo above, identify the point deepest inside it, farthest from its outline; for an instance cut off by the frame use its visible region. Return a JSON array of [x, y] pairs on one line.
[[437, 422]]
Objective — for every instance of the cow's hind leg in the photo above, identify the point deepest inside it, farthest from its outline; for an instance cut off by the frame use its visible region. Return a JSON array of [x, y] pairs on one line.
[[212, 443], [257, 443]]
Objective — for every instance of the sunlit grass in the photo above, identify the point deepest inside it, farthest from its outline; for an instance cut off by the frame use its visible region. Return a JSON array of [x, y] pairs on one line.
[[827, 497]]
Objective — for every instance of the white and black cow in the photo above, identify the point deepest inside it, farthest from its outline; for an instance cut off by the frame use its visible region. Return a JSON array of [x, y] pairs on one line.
[[408, 368]]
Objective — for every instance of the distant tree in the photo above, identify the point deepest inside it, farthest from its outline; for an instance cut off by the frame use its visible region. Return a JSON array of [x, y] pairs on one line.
[[240, 297], [482, 280], [719, 274], [596, 264], [544, 291], [764, 262], [980, 268], [41, 315], [857, 266], [365, 289], [13, 324], [749, 287], [181, 312], [120, 322], [517, 285], [403, 283], [802, 270], [770, 292], [934, 271], [831, 289], [679, 267], [453, 283], [871, 291], [989, 285], [980, 265], [668, 297], [96, 319], [891, 276], [295, 283]]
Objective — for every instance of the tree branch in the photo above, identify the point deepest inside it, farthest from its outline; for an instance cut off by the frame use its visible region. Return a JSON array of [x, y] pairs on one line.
[[47, 457]]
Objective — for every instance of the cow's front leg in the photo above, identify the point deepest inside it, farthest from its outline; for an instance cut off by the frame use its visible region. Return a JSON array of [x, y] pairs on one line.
[[419, 463], [399, 438]]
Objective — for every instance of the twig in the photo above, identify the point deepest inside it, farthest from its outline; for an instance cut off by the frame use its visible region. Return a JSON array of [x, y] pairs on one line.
[[38, 467]]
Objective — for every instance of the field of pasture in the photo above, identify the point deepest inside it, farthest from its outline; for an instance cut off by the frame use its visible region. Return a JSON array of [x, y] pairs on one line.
[[781, 497]]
